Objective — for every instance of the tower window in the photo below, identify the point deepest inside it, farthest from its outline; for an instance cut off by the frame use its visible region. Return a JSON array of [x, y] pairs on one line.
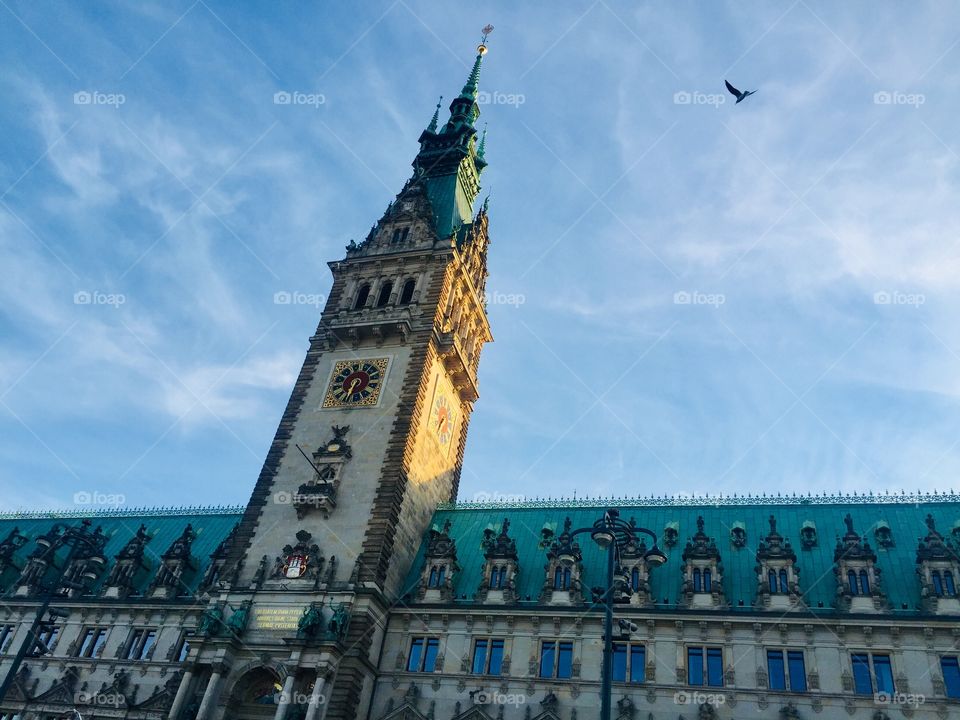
[[384, 297], [406, 295], [400, 235], [362, 296]]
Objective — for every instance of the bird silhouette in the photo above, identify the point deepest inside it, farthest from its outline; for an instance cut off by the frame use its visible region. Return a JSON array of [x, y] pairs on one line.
[[738, 94]]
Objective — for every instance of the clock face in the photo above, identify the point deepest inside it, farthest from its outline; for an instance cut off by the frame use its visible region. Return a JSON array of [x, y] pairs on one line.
[[442, 418], [356, 383]]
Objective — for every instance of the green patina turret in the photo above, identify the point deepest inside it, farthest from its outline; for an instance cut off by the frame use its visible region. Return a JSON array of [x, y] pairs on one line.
[[450, 161]]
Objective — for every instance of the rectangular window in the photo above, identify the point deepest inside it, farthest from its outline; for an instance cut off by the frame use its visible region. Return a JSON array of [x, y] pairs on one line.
[[705, 666], [487, 656], [556, 659], [183, 650], [797, 671], [786, 670], [6, 636], [950, 667], [775, 670], [479, 657], [92, 641], [423, 654], [629, 662], [871, 673], [47, 636]]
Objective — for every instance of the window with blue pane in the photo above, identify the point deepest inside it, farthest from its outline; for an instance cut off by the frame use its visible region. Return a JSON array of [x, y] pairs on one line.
[[487, 656], [638, 663], [776, 672], [479, 657], [496, 657], [797, 671], [883, 673], [619, 662], [705, 666], [629, 661], [423, 654], [565, 660], [950, 667], [556, 659], [548, 658], [871, 673]]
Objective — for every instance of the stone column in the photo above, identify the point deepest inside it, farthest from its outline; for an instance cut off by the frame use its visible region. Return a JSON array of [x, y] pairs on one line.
[[315, 705], [181, 697], [211, 694], [285, 697]]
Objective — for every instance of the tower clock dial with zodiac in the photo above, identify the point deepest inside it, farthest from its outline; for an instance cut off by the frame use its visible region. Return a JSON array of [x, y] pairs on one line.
[[443, 417], [356, 383]]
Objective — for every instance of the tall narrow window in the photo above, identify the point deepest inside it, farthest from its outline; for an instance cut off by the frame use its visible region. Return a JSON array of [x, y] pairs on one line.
[[406, 295], [564, 659], [362, 296], [695, 665], [864, 583], [783, 580], [937, 583], [950, 667], [705, 666], [416, 655], [384, 297], [432, 581], [6, 636], [772, 580], [862, 681], [638, 663], [479, 657], [797, 671], [423, 655], [619, 662], [948, 587], [852, 582], [707, 586], [92, 642], [883, 672], [495, 666], [697, 581], [635, 579], [714, 667], [548, 658], [775, 670]]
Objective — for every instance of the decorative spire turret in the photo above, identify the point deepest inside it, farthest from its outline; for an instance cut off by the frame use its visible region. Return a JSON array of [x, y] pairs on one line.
[[432, 127]]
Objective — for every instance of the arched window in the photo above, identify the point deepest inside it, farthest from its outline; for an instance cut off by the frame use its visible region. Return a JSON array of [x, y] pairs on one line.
[[406, 295], [432, 582], [948, 585], [635, 579], [558, 578], [783, 580], [852, 582], [384, 297], [864, 583], [697, 582], [772, 578], [706, 581], [362, 296], [937, 583]]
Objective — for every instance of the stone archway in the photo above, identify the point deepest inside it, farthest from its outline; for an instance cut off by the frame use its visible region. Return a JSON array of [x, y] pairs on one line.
[[255, 695]]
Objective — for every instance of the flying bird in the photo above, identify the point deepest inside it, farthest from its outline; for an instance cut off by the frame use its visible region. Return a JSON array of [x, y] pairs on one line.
[[737, 94]]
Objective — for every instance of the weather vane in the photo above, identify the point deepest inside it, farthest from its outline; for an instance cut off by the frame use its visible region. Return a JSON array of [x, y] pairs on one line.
[[487, 29]]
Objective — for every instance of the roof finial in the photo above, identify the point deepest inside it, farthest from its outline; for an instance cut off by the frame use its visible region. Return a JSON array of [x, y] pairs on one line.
[[481, 148], [470, 89], [432, 127]]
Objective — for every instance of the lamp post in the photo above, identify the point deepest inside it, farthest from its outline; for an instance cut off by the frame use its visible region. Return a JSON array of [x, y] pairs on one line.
[[74, 539], [610, 533]]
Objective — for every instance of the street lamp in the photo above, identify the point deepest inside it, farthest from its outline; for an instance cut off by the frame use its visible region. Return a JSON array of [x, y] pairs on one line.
[[75, 539], [611, 534]]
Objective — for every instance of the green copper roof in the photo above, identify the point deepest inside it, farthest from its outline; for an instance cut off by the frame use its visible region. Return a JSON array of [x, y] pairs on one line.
[[904, 515], [164, 526]]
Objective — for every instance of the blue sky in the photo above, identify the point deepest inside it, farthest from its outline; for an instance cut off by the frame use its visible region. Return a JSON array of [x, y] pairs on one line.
[[751, 298]]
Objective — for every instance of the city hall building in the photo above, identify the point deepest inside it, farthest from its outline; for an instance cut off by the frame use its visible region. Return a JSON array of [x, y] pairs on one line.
[[353, 585]]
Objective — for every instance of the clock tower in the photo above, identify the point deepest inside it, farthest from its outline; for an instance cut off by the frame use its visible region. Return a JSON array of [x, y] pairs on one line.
[[372, 438]]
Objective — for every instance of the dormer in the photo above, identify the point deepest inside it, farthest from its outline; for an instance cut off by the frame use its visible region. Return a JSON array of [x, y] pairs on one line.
[[636, 569], [439, 567], [130, 566], [500, 568], [320, 492], [216, 574], [778, 576], [808, 535], [702, 572], [858, 577], [563, 573], [176, 567], [939, 570]]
